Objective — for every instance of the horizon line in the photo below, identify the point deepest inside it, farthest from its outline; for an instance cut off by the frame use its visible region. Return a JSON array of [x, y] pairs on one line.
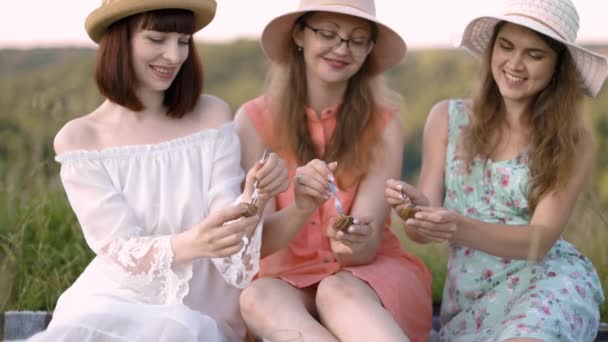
[[90, 44]]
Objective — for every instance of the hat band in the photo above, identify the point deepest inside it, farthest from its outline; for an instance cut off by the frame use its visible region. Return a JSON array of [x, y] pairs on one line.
[[343, 4], [538, 21]]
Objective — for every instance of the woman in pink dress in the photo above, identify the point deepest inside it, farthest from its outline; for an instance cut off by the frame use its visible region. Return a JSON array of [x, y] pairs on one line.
[[326, 113]]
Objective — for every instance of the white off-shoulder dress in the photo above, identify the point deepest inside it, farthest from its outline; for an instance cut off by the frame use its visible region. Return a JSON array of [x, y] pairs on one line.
[[129, 201]]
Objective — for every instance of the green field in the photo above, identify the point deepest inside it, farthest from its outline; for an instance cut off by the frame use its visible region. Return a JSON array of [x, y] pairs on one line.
[[41, 247]]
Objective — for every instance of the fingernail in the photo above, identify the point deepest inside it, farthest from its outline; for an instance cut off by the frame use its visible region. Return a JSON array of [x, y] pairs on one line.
[[355, 221], [351, 229], [331, 178]]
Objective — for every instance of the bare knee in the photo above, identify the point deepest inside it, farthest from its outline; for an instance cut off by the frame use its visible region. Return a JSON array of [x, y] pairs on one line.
[[256, 301], [342, 288]]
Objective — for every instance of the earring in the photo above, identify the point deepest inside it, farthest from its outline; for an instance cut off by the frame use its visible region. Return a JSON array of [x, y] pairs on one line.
[[300, 49]]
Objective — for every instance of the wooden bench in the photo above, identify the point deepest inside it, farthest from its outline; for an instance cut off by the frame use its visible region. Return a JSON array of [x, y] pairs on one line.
[[19, 325]]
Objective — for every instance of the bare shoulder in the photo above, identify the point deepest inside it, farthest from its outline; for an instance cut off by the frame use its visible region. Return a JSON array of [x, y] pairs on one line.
[[439, 113], [437, 121], [241, 117], [252, 144], [394, 128], [77, 134], [243, 125], [211, 111]]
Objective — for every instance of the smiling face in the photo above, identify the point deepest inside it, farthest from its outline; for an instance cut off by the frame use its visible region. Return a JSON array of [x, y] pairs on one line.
[[157, 57], [522, 63], [325, 60]]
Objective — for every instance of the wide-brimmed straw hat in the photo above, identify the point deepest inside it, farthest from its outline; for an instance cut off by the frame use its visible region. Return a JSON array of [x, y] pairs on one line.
[[111, 11], [557, 19], [389, 48]]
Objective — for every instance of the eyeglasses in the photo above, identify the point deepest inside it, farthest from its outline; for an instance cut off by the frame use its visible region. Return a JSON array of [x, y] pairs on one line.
[[359, 46]]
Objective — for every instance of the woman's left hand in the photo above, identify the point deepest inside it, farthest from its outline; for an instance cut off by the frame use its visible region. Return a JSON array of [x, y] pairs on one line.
[[271, 176], [352, 240], [436, 224]]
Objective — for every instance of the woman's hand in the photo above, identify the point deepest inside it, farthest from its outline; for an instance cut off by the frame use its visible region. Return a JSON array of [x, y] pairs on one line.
[[434, 224], [270, 176], [353, 242], [312, 184], [221, 233], [399, 192]]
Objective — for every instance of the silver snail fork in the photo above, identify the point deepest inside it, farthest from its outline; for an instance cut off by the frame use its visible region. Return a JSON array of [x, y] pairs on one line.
[[256, 192], [337, 203]]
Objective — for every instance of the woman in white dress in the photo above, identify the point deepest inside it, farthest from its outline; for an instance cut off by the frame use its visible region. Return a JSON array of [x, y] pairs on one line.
[[153, 175]]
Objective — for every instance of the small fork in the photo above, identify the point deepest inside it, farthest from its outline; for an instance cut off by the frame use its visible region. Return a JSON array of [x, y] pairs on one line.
[[337, 203], [256, 193]]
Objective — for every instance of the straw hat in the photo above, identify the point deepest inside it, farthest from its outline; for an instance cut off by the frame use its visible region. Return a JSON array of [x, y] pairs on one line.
[[111, 11], [389, 49], [557, 19]]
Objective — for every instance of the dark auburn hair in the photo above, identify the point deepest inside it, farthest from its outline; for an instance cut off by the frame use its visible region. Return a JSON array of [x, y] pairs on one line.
[[114, 72]]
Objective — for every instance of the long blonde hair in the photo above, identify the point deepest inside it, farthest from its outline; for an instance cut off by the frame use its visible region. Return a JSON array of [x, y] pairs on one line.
[[555, 123], [358, 127]]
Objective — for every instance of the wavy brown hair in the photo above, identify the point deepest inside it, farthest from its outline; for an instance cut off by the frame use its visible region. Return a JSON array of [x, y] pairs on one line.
[[554, 122], [359, 124]]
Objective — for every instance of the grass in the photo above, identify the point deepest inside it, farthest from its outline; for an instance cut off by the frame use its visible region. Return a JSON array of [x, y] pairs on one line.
[[42, 250]]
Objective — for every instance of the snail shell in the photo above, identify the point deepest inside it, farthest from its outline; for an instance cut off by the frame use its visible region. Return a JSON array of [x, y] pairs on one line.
[[407, 212], [252, 209], [343, 222]]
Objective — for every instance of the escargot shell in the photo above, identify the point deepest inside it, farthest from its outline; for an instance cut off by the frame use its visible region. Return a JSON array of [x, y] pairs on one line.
[[407, 212], [252, 209], [343, 222]]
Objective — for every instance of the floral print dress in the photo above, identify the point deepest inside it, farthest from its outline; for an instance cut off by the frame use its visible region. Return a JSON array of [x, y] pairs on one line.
[[488, 298]]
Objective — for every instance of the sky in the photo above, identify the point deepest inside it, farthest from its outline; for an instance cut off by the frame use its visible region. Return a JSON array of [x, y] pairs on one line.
[[427, 23]]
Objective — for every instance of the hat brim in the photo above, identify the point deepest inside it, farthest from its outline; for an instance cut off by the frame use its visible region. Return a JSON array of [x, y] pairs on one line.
[[389, 48], [101, 18], [591, 67]]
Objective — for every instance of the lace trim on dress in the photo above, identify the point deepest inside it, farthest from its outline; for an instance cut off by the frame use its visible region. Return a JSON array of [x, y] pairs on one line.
[[143, 264], [240, 268]]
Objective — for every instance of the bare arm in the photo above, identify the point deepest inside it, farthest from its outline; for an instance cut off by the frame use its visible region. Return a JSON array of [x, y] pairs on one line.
[[531, 241], [369, 205], [548, 222], [430, 190], [279, 227]]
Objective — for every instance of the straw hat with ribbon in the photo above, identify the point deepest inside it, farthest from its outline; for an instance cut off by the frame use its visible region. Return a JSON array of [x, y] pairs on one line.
[[111, 11], [389, 49], [557, 19]]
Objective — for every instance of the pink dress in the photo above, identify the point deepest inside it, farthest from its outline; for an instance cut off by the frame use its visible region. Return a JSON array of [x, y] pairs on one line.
[[400, 279]]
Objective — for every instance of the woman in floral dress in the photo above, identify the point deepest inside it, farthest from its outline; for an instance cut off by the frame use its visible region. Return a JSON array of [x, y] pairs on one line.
[[501, 173]]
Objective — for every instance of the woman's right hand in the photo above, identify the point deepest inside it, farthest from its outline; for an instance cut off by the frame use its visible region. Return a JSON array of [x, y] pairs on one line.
[[221, 233], [311, 184], [400, 194]]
